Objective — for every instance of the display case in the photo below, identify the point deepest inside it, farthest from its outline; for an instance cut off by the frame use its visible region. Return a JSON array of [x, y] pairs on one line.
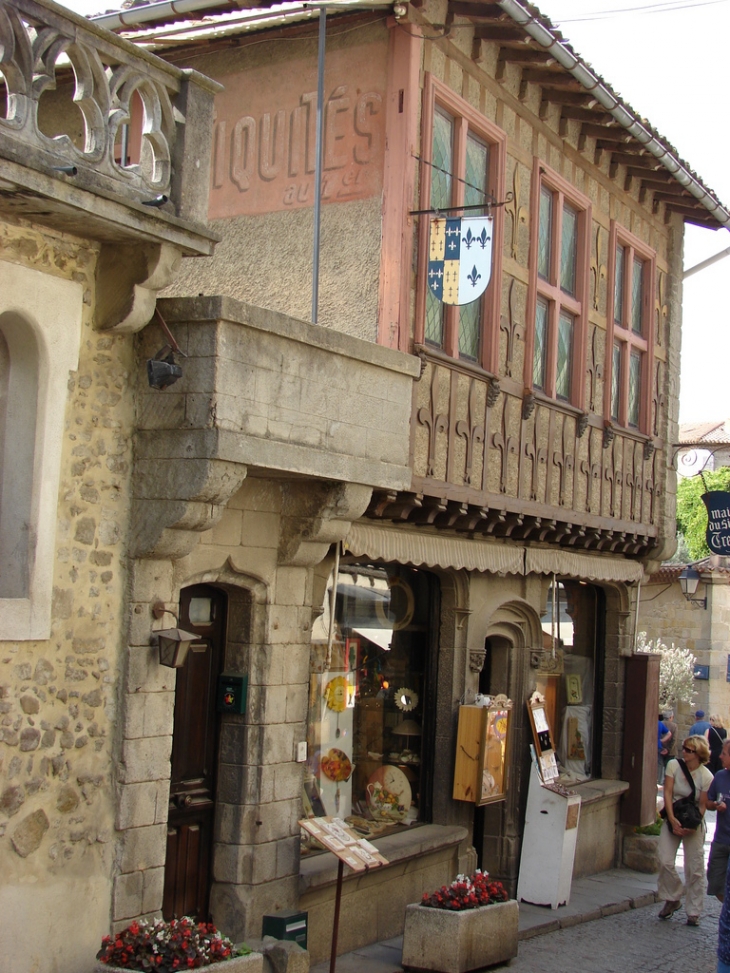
[[367, 697], [480, 767]]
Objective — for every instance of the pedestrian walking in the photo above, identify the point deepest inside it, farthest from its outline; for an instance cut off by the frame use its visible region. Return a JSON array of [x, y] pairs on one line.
[[718, 799], [716, 736], [685, 778]]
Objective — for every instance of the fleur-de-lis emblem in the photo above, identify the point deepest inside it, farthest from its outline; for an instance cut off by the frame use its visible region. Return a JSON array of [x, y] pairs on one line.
[[468, 238], [473, 277], [483, 239]]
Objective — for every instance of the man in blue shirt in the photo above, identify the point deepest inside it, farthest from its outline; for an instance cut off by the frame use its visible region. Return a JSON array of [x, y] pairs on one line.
[[718, 799], [701, 727]]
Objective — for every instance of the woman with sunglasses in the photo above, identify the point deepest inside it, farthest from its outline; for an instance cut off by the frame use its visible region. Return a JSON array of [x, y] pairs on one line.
[[695, 754]]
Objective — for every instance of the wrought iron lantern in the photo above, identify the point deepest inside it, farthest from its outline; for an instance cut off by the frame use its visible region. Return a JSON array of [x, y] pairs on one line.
[[689, 579], [173, 645]]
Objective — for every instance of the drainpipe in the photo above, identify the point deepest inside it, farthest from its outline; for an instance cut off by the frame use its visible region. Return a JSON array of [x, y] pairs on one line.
[[610, 102]]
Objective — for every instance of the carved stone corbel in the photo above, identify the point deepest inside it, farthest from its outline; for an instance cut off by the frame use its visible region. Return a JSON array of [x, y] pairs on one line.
[[476, 659], [313, 518], [649, 448], [128, 280], [609, 434], [175, 501], [528, 404], [493, 392], [581, 425]]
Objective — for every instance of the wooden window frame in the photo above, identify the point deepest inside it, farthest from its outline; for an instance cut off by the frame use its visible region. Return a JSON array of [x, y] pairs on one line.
[[629, 340], [467, 119], [550, 290]]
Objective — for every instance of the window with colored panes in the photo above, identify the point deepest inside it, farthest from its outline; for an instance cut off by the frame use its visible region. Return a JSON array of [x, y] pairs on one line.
[[463, 169], [558, 286], [630, 320]]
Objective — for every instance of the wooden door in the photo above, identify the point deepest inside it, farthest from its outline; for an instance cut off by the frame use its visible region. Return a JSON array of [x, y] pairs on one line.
[[194, 757], [639, 767]]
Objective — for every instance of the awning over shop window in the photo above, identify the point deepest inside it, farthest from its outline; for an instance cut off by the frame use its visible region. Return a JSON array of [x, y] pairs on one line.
[[568, 564], [433, 550]]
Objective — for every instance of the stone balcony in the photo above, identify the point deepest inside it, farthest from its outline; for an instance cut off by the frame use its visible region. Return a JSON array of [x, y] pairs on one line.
[[72, 93], [264, 394]]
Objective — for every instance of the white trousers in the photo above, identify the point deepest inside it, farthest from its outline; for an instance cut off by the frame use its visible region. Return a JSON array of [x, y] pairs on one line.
[[669, 884]]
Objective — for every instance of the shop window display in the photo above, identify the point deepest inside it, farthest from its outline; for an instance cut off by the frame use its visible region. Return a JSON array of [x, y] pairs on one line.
[[569, 685], [367, 697]]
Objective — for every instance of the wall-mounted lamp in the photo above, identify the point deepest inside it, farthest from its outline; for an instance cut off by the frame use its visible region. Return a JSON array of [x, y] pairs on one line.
[[689, 579], [173, 645], [162, 370]]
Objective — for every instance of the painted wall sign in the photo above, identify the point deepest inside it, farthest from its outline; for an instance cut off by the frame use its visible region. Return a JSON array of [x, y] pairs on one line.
[[264, 140], [717, 503]]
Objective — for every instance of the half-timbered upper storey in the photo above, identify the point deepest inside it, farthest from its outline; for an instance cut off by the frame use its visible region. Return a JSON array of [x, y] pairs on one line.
[[544, 408]]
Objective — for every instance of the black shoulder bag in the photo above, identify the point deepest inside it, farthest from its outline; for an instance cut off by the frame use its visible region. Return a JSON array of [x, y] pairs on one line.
[[685, 809]]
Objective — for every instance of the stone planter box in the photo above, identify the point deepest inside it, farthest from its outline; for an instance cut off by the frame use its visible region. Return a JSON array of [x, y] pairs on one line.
[[253, 963], [640, 853], [455, 942]]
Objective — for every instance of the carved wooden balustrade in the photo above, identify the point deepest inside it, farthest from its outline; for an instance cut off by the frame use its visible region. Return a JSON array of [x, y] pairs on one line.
[[39, 47], [493, 463]]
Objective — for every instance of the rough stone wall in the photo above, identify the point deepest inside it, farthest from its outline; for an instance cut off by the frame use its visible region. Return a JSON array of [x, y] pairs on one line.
[[58, 697], [666, 615]]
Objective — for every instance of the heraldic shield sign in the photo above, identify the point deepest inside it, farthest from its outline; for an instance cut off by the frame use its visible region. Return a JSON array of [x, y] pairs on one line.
[[460, 258], [718, 520]]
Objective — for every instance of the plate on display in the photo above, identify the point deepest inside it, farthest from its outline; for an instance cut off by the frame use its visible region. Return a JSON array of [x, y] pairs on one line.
[[336, 765], [389, 794]]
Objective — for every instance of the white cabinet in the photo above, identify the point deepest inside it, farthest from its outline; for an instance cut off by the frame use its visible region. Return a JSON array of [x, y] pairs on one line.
[[548, 843]]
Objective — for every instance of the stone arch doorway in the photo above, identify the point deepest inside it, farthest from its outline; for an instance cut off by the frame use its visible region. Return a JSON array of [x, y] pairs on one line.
[[512, 630]]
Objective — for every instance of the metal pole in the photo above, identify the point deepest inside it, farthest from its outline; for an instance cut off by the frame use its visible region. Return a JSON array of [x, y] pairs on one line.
[[318, 162], [336, 923], [706, 263]]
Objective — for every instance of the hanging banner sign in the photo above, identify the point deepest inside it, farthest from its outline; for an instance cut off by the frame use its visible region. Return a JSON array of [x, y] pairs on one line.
[[460, 258], [718, 520]]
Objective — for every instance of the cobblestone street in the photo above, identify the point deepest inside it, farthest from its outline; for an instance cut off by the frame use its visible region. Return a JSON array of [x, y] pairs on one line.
[[630, 942]]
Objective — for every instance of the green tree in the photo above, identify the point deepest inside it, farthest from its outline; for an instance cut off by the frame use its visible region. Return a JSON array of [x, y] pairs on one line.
[[691, 511]]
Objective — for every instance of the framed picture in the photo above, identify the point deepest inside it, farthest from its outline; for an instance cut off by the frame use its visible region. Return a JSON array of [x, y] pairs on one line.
[[573, 689], [544, 746], [493, 776]]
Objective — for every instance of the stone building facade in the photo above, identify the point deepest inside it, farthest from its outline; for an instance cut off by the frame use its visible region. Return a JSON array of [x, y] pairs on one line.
[[701, 625], [81, 261], [370, 519]]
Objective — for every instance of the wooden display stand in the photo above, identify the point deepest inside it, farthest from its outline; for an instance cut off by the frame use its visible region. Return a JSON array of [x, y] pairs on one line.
[[548, 843], [350, 850], [480, 768]]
